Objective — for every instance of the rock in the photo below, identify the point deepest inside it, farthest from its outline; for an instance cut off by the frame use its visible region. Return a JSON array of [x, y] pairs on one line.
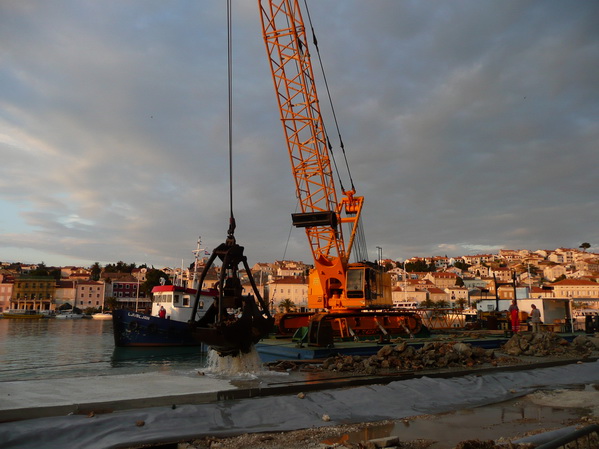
[[384, 442], [301, 395], [385, 351], [401, 347], [348, 360], [476, 444], [326, 418], [463, 349], [328, 362], [581, 341], [140, 423], [594, 341]]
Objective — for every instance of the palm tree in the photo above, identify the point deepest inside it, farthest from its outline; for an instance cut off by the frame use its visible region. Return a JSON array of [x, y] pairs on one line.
[[287, 305], [461, 302], [428, 303], [442, 304], [111, 303]]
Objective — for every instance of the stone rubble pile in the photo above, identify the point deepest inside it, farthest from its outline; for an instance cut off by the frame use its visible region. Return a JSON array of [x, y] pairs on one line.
[[544, 344], [405, 357], [448, 354]]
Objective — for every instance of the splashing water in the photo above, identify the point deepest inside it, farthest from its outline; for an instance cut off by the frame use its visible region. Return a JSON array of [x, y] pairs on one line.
[[241, 365]]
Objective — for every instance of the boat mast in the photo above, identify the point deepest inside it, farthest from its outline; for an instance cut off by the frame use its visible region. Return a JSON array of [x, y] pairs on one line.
[[196, 254]]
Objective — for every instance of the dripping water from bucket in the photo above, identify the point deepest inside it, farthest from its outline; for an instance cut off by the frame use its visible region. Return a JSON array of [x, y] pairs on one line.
[[244, 365]]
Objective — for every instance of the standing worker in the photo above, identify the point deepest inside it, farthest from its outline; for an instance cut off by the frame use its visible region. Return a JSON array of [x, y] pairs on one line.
[[514, 316], [535, 319]]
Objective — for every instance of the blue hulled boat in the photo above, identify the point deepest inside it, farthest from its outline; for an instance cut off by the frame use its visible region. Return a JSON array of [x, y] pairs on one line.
[[174, 329]]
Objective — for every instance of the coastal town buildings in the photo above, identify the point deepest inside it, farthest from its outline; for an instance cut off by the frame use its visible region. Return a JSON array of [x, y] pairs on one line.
[[89, 294], [33, 292], [561, 273], [576, 289], [288, 290]]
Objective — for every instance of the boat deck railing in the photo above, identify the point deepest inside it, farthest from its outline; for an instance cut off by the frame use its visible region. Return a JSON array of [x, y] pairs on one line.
[[443, 318]]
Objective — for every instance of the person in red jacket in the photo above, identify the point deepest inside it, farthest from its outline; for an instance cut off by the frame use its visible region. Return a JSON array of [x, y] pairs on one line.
[[514, 316]]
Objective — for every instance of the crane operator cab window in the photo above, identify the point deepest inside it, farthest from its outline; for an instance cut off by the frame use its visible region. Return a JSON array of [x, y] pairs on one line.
[[361, 283]]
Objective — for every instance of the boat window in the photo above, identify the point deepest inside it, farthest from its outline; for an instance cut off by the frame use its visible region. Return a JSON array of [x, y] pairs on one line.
[[186, 301], [176, 301]]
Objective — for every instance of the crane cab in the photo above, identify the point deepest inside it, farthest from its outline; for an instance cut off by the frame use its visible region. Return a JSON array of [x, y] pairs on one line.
[[366, 286]]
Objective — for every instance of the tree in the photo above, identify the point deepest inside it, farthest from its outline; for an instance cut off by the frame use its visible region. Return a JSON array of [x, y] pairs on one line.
[[462, 265], [419, 266], [287, 305], [442, 304], [153, 277], [560, 278], [111, 303], [119, 267], [460, 303], [96, 270], [41, 270], [428, 303], [585, 246]]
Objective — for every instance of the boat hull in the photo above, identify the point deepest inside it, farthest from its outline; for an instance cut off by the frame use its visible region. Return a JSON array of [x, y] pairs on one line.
[[102, 316], [139, 329], [69, 316], [23, 315]]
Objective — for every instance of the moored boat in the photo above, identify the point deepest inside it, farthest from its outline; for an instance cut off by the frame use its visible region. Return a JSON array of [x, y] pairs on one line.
[[102, 316], [133, 328], [20, 314], [69, 316]]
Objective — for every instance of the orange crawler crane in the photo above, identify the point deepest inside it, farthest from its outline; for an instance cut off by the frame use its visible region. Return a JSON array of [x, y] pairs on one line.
[[352, 300]]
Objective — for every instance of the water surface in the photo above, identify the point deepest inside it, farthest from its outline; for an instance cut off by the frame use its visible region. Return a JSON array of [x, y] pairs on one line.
[[51, 348]]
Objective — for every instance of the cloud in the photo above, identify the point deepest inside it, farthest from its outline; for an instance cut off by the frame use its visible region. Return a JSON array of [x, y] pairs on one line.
[[467, 125]]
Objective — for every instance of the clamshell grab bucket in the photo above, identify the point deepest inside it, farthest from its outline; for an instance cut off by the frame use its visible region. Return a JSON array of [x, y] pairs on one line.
[[234, 322]]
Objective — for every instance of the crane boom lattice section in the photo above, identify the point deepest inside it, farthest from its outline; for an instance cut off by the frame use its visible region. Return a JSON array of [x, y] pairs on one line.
[[285, 38]]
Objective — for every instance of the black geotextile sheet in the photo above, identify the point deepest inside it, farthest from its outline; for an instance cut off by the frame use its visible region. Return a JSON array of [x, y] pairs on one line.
[[283, 413]]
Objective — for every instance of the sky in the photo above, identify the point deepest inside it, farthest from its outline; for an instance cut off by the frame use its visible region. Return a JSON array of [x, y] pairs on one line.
[[469, 126]]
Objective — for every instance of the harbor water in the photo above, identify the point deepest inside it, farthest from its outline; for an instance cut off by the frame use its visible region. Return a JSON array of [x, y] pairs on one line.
[[53, 349]]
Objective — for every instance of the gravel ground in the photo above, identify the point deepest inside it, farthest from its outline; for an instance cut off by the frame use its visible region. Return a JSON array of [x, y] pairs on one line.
[[337, 436], [333, 437]]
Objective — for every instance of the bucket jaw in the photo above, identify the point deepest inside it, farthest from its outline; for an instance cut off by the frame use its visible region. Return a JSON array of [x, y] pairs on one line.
[[234, 322]]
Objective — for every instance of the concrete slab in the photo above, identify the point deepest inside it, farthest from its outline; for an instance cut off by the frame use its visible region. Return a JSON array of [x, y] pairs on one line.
[[23, 400], [53, 397]]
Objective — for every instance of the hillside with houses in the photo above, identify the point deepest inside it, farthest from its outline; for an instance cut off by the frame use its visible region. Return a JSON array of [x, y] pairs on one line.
[[425, 282]]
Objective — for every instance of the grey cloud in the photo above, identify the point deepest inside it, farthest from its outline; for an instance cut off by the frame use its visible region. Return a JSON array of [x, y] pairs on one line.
[[467, 125]]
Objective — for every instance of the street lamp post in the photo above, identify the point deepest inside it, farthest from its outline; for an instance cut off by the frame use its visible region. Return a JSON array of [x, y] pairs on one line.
[[137, 296]]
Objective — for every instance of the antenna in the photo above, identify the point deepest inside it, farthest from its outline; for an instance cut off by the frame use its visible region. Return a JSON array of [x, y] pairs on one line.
[[196, 254]]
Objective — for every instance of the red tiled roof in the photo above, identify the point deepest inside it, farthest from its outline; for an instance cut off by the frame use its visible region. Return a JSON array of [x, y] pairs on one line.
[[575, 282]]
